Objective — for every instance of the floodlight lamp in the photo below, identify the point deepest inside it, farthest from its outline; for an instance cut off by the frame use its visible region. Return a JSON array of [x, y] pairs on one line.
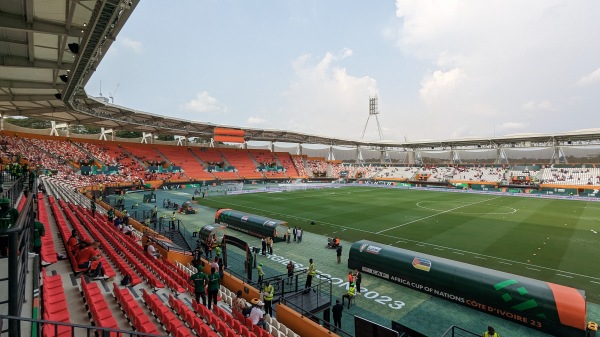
[[64, 78], [73, 47], [58, 96]]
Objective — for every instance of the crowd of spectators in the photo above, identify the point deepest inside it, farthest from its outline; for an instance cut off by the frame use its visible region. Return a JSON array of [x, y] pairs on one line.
[[132, 165], [317, 167], [300, 165], [572, 176]]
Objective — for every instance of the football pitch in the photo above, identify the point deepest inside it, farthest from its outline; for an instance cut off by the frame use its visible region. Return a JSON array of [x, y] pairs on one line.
[[546, 239]]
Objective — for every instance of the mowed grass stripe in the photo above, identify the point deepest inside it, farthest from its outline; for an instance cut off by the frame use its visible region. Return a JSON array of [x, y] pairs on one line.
[[484, 232]]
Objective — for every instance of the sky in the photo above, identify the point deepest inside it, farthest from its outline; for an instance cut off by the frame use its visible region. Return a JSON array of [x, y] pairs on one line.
[[441, 69]]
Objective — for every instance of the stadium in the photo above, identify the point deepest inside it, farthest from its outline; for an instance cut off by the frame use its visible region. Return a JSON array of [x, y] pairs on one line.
[[449, 236]]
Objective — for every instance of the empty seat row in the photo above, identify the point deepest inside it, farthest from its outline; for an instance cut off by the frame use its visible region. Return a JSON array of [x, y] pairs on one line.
[[193, 321], [101, 315], [166, 317], [133, 311], [48, 250], [54, 306]]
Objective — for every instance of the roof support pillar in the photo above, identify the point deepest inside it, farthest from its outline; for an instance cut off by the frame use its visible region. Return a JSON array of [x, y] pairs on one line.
[[145, 137], [55, 127], [331, 156], [104, 132]]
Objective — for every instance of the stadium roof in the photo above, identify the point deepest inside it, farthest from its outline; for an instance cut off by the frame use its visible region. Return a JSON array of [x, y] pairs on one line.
[[49, 49]]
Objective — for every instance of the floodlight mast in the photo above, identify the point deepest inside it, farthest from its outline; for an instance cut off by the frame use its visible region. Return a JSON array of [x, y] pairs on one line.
[[374, 111]]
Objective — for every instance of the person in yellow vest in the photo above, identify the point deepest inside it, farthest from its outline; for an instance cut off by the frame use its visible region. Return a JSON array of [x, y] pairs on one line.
[[268, 293], [173, 219], [289, 233], [350, 294], [218, 251], [312, 271], [490, 332], [164, 218], [260, 272]]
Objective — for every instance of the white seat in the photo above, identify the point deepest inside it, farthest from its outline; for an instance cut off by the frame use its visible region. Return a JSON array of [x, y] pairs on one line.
[[275, 323], [283, 329]]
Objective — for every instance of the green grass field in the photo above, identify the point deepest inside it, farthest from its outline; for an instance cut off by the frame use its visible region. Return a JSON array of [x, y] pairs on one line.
[[550, 240]]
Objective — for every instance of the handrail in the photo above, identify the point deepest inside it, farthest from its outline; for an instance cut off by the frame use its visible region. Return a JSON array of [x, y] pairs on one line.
[[327, 325], [15, 190], [19, 242], [73, 326]]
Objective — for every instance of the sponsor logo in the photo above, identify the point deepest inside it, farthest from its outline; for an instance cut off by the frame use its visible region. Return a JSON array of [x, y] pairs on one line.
[[372, 249], [363, 246], [421, 264], [376, 272], [244, 218]]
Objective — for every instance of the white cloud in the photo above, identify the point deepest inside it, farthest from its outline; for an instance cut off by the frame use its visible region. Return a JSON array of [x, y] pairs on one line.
[[203, 102], [255, 120], [136, 46], [325, 99], [590, 79], [440, 82], [346, 52], [483, 59], [541, 105]]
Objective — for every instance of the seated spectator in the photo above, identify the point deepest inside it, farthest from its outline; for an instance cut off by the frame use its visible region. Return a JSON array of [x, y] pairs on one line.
[[128, 230], [150, 250], [257, 316], [73, 242], [88, 258], [118, 222], [240, 305]]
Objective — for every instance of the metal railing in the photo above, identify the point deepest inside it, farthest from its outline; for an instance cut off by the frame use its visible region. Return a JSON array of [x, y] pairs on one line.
[[19, 243], [15, 190], [321, 321], [456, 331], [59, 328]]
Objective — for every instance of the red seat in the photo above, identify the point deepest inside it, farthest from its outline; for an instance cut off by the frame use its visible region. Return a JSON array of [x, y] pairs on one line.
[[222, 328], [244, 331], [236, 326], [256, 329]]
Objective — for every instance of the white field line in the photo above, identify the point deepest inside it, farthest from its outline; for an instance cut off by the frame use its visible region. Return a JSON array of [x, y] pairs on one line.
[[510, 264], [564, 275], [538, 270], [475, 255], [595, 282], [440, 213]]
